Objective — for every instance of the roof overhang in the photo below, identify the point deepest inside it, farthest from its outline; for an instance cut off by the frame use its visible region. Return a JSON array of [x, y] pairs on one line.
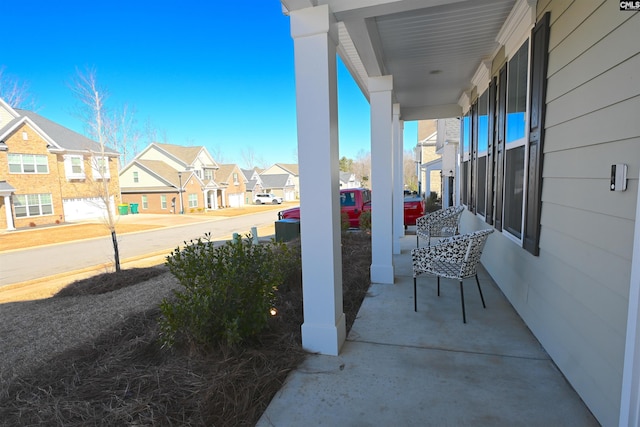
[[432, 48]]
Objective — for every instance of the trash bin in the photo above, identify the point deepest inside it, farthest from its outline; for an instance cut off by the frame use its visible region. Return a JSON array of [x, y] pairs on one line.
[[287, 229], [134, 208], [123, 209]]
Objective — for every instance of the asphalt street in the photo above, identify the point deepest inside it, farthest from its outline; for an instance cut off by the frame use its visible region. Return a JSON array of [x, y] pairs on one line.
[[41, 262]]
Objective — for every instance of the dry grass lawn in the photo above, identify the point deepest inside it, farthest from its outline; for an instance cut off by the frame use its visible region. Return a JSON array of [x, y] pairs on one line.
[[92, 354]]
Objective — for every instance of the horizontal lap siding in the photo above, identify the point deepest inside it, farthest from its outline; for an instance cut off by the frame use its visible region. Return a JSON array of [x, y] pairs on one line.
[[574, 296], [579, 291]]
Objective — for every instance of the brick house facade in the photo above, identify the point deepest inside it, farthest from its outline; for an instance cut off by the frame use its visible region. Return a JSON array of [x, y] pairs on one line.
[[50, 174]]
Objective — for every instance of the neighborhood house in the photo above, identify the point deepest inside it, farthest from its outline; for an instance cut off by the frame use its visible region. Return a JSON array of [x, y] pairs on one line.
[[50, 174]]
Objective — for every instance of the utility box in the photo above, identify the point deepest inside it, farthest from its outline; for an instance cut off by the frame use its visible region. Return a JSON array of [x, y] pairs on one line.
[[287, 229]]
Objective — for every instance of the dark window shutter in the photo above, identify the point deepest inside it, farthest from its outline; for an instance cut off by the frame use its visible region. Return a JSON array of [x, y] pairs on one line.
[[500, 145], [474, 155], [537, 107], [489, 197]]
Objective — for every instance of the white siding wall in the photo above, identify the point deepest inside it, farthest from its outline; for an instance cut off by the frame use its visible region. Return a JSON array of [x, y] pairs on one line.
[[154, 154], [574, 296]]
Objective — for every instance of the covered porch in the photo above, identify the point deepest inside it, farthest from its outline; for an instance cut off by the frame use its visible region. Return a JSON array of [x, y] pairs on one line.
[[426, 368], [506, 68]]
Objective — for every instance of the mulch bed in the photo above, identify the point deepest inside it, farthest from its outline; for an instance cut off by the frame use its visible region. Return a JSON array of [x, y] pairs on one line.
[[125, 377]]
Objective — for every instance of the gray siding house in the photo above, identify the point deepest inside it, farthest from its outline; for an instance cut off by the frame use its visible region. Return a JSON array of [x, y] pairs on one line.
[[548, 93]]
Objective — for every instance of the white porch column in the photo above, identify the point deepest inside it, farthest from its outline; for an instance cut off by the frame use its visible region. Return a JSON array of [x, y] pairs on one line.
[[315, 40], [380, 91], [398, 181], [7, 212], [630, 395]]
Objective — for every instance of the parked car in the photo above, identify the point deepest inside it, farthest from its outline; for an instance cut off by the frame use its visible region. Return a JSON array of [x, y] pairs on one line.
[[354, 201], [261, 199]]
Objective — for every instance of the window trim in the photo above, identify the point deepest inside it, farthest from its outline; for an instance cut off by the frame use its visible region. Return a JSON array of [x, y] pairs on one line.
[[27, 205], [189, 200], [34, 164], [95, 166], [68, 167]]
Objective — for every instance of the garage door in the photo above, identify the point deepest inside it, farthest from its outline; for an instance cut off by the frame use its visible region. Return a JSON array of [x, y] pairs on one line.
[[85, 208], [235, 200]]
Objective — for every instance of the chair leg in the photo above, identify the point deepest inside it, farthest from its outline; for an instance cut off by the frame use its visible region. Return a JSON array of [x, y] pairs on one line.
[[438, 285], [415, 300], [480, 290], [464, 315]]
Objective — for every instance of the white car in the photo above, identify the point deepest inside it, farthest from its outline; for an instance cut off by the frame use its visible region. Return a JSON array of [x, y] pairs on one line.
[[261, 199]]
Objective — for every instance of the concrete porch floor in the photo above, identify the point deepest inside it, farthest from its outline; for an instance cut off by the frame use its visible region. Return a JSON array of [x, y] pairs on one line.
[[402, 368]]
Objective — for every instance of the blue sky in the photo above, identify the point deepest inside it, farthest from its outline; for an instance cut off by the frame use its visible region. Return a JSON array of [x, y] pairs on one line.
[[219, 74]]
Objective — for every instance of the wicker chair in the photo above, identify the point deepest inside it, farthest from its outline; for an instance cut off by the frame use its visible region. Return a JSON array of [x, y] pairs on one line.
[[456, 257], [441, 223]]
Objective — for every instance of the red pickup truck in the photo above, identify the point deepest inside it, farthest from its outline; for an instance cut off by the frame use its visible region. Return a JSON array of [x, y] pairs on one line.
[[354, 201]]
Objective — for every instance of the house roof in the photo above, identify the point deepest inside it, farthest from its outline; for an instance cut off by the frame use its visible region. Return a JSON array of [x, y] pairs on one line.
[[292, 168], [5, 186], [275, 181], [248, 173], [187, 154], [62, 137], [251, 184], [224, 172], [346, 176], [162, 170]]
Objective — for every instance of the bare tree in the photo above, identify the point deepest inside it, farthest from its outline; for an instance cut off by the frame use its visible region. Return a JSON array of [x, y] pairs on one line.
[[409, 170], [218, 155], [15, 92], [122, 133], [361, 167], [92, 110], [150, 131], [251, 159]]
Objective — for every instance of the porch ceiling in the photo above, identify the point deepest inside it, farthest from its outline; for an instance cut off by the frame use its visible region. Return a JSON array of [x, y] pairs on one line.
[[432, 48]]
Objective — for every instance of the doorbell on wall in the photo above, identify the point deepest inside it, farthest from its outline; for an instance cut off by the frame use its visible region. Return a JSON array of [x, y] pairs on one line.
[[618, 177]]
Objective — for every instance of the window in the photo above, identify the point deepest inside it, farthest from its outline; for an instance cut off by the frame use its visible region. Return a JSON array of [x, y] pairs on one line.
[[208, 174], [502, 143], [135, 177], [74, 167], [145, 202], [28, 163], [193, 200], [348, 198], [235, 178], [28, 205], [517, 73], [100, 166], [483, 145], [25, 136], [466, 159], [163, 201]]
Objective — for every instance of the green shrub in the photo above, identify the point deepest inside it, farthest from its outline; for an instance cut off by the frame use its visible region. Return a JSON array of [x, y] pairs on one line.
[[365, 221], [228, 290], [344, 222]]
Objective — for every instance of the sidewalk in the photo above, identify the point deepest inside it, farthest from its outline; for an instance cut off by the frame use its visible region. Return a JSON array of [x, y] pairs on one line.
[[426, 368]]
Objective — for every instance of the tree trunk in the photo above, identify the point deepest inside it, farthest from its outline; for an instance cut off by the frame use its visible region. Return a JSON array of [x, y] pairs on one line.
[[115, 249]]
